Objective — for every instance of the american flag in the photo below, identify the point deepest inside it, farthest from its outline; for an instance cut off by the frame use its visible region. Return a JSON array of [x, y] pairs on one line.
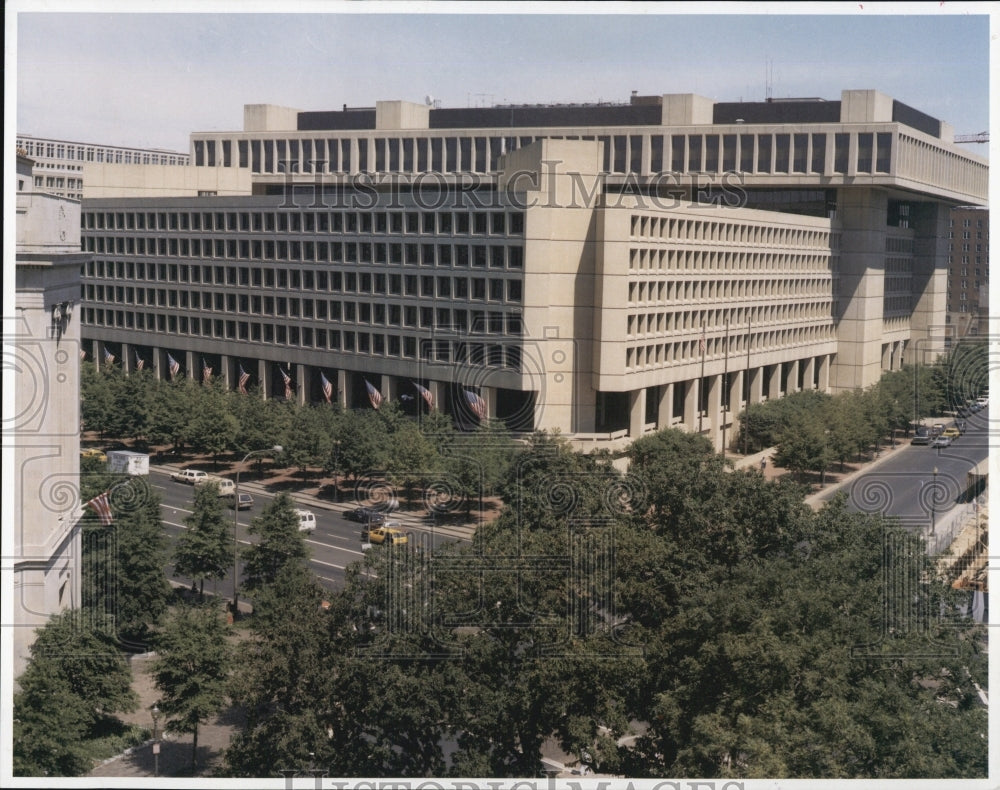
[[244, 378], [83, 354], [102, 507], [109, 358], [288, 384], [476, 403], [138, 361], [327, 387], [206, 372], [373, 395], [173, 365], [426, 394]]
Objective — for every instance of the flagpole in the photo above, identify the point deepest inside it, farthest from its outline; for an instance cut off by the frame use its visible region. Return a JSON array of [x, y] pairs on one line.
[[701, 382], [725, 392], [746, 428]]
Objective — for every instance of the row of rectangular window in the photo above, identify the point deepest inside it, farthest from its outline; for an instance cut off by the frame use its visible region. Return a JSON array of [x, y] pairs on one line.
[[753, 152], [691, 320], [505, 354], [495, 256], [691, 291], [687, 351], [480, 223], [478, 289], [91, 153], [377, 283]]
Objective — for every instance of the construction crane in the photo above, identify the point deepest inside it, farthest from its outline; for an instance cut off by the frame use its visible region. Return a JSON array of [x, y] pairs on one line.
[[982, 137]]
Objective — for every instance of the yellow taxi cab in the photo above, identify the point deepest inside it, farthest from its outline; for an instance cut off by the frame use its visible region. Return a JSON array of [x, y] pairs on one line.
[[952, 432], [94, 452], [392, 535]]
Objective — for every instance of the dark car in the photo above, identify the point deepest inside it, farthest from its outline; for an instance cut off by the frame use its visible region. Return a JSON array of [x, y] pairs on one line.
[[921, 436], [366, 515]]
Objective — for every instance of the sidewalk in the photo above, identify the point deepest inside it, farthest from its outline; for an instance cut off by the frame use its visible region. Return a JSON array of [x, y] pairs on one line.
[[175, 748]]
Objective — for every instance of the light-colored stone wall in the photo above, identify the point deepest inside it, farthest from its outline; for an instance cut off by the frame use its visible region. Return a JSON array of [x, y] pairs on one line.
[[104, 180]]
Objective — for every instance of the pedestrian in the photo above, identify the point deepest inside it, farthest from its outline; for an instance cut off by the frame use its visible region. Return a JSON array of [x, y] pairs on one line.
[[763, 464]]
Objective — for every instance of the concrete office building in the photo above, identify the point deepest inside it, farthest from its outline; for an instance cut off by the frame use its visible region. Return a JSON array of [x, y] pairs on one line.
[[59, 165], [42, 358], [968, 271], [567, 263]]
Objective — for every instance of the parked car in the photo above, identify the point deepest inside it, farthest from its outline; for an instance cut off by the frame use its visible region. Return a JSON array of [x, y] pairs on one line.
[[390, 533], [246, 501], [983, 401], [951, 432], [190, 476], [366, 515], [941, 441], [307, 521]]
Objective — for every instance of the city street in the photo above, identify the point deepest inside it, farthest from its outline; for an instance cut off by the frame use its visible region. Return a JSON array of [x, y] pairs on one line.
[[904, 483], [335, 543]]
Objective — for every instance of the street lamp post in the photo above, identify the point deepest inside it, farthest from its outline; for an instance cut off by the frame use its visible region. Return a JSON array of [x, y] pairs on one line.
[[934, 503], [276, 450], [155, 712]]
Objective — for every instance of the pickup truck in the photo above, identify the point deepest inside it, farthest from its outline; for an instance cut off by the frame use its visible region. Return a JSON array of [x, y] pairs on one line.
[[190, 476]]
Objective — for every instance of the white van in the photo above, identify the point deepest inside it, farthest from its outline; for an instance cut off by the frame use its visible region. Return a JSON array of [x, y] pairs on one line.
[[226, 486], [307, 521]]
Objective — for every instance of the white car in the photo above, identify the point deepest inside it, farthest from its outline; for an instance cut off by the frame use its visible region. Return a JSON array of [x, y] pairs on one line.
[[190, 476], [307, 521]]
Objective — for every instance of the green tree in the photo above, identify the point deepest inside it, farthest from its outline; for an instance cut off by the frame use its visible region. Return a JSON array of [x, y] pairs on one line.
[[204, 551], [805, 447], [123, 574], [413, 459], [73, 684], [170, 412], [279, 544], [287, 679], [192, 668], [308, 441], [212, 428], [363, 439], [96, 399]]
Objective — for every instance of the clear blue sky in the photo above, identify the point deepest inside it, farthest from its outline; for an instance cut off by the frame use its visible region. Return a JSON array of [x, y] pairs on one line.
[[148, 79]]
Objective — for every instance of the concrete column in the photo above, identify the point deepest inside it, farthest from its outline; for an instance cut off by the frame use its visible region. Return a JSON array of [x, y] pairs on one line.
[[128, 362], [930, 277], [340, 387], [391, 387], [263, 379], [189, 369], [714, 410], [774, 389], [437, 390], [636, 412], [860, 285], [735, 400], [824, 373], [665, 407], [691, 404], [489, 395], [226, 363], [887, 356], [756, 385], [809, 376], [793, 377], [302, 378]]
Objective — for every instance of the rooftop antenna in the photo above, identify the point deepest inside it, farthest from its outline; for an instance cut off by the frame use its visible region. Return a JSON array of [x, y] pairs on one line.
[[768, 75]]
